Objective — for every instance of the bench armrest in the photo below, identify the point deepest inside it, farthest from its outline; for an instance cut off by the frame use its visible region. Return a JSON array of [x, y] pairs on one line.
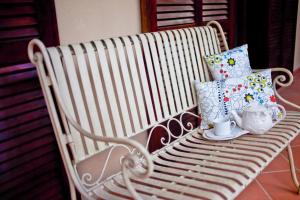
[[281, 80], [130, 163]]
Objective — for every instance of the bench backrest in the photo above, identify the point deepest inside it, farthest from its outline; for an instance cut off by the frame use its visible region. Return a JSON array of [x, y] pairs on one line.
[[122, 86]]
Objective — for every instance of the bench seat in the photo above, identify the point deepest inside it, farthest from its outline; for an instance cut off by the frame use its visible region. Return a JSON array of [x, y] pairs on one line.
[[106, 97], [195, 168]]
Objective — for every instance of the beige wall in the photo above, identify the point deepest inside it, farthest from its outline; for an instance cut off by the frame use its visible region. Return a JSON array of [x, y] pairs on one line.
[[85, 20], [297, 45]]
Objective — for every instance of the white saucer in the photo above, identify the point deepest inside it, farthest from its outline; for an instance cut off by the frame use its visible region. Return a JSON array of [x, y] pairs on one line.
[[236, 132]]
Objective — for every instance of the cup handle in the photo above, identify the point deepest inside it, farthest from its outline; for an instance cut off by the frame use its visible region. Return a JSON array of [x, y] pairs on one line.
[[232, 124]]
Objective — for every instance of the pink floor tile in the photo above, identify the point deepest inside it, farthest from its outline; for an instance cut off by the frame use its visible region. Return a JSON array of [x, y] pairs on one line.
[[296, 152], [279, 185], [280, 163], [253, 192]]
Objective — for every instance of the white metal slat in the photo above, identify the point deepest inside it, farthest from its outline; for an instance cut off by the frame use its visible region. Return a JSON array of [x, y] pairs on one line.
[[243, 157], [93, 118], [290, 121], [191, 48], [265, 148], [203, 50], [102, 104], [77, 94], [207, 38], [218, 41], [283, 135], [165, 72], [188, 186], [209, 164], [284, 126], [111, 192], [63, 87], [214, 39], [110, 91], [158, 73], [260, 155], [177, 69], [117, 189], [119, 93], [188, 63], [149, 67], [215, 183], [143, 78], [211, 158], [291, 130], [238, 178], [206, 42], [183, 68], [157, 189], [128, 86], [198, 55], [171, 69], [137, 87]]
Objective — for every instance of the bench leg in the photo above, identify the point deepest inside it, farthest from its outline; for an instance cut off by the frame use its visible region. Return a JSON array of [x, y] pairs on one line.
[[292, 166], [72, 190]]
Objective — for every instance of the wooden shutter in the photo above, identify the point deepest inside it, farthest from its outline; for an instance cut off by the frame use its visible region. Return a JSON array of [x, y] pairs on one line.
[[288, 36], [20, 21], [30, 164], [172, 14]]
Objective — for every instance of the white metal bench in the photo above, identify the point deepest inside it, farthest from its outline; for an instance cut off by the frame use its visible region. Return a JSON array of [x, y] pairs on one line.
[[107, 97]]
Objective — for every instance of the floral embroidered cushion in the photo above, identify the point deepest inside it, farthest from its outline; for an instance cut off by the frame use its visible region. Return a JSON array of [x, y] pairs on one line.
[[216, 99], [229, 64]]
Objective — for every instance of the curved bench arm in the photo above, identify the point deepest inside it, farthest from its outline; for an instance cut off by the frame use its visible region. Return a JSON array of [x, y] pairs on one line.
[[281, 81], [130, 162]]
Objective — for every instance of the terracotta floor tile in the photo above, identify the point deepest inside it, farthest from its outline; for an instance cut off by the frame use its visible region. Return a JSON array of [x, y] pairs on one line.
[[296, 152], [278, 164], [296, 141], [253, 192], [279, 185]]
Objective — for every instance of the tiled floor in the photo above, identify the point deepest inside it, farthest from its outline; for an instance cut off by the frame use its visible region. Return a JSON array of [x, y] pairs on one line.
[[275, 182]]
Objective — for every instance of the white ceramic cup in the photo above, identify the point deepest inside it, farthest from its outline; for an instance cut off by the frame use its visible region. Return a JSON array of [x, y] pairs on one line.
[[223, 127]]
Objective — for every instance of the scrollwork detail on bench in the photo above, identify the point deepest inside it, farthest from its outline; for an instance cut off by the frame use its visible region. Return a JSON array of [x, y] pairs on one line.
[[166, 139], [281, 80], [131, 161]]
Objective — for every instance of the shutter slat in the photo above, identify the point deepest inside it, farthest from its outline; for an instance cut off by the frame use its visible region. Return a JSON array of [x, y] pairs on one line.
[[214, 7], [174, 8], [215, 1], [11, 11], [15, 1], [175, 2], [17, 22], [215, 12], [18, 33], [175, 15], [176, 22], [210, 18]]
